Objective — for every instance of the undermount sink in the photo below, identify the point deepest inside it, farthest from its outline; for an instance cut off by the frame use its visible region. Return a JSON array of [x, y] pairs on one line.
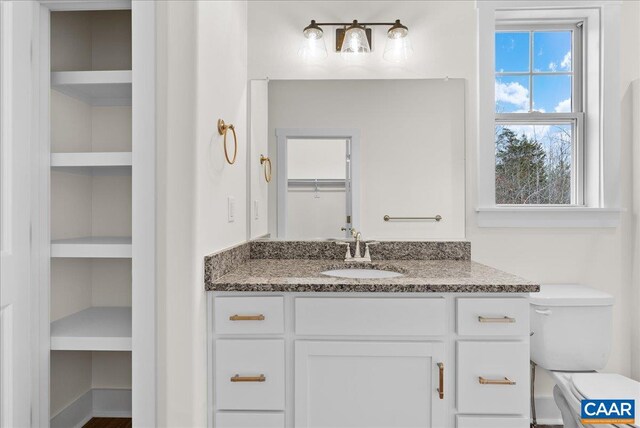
[[361, 273]]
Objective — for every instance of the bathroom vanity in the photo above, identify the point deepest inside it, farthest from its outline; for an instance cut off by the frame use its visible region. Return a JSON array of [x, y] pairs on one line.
[[446, 344]]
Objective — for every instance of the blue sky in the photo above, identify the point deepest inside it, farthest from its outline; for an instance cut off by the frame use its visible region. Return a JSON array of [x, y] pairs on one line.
[[551, 53]]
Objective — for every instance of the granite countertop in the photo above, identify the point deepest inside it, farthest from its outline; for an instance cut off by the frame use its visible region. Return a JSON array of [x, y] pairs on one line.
[[435, 276]]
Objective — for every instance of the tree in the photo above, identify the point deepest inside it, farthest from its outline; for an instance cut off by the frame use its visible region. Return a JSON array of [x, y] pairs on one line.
[[559, 167], [521, 169]]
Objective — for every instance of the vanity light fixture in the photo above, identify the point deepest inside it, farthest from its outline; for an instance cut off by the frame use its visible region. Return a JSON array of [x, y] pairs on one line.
[[354, 39]]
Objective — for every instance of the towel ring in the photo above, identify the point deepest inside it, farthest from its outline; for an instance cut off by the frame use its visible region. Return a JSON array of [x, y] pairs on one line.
[[222, 130], [267, 167]]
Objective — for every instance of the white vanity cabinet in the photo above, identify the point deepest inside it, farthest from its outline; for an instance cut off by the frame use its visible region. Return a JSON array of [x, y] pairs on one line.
[[388, 360]]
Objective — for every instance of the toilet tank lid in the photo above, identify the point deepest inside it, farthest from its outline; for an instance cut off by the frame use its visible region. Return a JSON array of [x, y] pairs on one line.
[[570, 295]]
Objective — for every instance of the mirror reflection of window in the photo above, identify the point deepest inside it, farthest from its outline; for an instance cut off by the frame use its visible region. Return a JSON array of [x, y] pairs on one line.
[[318, 186]]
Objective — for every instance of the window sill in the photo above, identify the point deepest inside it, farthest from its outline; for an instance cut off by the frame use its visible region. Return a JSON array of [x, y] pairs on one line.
[[550, 217]]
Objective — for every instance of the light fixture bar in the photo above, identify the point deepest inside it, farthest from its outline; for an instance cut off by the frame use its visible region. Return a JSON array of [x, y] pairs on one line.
[[365, 24]]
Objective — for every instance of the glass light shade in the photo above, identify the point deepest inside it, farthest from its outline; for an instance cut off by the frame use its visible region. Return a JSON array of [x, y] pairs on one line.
[[313, 50], [355, 40], [397, 49], [313, 47]]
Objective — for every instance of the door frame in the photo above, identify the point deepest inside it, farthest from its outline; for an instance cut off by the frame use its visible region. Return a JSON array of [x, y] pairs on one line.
[[144, 331], [284, 134]]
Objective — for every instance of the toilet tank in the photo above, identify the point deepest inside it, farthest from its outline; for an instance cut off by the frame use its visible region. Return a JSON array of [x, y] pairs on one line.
[[571, 327]]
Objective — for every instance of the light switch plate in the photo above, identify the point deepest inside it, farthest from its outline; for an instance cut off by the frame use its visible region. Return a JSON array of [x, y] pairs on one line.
[[231, 209]]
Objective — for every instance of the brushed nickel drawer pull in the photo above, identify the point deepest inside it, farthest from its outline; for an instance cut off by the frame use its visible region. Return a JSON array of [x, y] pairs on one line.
[[504, 319], [441, 382], [247, 317], [505, 381], [238, 378]]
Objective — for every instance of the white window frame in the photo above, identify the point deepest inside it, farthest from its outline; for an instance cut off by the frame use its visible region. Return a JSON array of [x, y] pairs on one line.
[[599, 205]]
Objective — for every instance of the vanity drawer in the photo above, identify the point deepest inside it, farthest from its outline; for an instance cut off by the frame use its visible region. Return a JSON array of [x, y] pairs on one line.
[[491, 422], [493, 317], [370, 316], [249, 374], [493, 377], [249, 420], [249, 315]]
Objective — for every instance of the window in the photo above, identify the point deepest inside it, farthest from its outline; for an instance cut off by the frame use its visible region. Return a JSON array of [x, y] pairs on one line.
[[539, 114], [549, 111]]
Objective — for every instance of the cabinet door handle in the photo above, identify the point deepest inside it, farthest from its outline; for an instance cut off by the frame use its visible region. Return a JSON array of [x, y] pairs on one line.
[[505, 381], [259, 317], [238, 378], [504, 319], [441, 381]]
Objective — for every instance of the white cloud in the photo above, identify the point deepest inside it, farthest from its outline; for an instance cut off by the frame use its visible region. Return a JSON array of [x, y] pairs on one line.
[[553, 66], [563, 106], [566, 61], [512, 93]]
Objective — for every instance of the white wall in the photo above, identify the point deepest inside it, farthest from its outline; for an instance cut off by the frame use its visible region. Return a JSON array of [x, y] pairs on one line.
[[202, 63], [444, 40], [316, 158]]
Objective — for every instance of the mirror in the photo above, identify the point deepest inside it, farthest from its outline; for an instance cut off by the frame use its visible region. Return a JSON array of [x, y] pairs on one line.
[[385, 157]]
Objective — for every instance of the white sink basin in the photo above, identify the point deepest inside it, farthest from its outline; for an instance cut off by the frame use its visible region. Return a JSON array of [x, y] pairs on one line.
[[361, 273]]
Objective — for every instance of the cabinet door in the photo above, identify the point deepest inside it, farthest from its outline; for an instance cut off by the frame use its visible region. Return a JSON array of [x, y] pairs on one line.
[[368, 384]]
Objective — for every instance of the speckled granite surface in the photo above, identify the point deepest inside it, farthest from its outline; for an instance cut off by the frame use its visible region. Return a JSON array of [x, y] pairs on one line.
[[438, 276], [383, 250], [312, 250], [221, 263]]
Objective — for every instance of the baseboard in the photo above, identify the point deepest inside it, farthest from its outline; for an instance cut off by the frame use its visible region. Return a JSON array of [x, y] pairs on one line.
[[547, 411], [105, 403]]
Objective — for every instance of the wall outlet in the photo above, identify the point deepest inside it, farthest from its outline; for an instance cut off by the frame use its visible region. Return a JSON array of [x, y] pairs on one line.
[[256, 211], [231, 209]]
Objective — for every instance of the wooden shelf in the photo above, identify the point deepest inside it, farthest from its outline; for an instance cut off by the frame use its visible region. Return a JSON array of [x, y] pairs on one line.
[[93, 163], [93, 329], [92, 247], [98, 88]]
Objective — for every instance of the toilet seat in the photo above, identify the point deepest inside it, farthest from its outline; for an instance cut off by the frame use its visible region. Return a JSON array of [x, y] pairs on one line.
[[577, 386], [605, 385]]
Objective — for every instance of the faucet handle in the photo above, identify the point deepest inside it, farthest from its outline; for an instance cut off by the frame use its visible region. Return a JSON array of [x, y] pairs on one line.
[[367, 253], [348, 254]]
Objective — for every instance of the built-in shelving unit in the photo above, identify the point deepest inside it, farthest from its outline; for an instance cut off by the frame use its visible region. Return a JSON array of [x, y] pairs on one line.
[[91, 251], [97, 88], [93, 329]]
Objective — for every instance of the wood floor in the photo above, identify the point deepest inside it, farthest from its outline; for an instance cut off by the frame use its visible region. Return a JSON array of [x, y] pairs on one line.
[[108, 423]]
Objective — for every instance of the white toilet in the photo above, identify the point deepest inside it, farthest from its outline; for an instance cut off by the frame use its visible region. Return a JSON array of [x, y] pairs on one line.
[[571, 339]]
